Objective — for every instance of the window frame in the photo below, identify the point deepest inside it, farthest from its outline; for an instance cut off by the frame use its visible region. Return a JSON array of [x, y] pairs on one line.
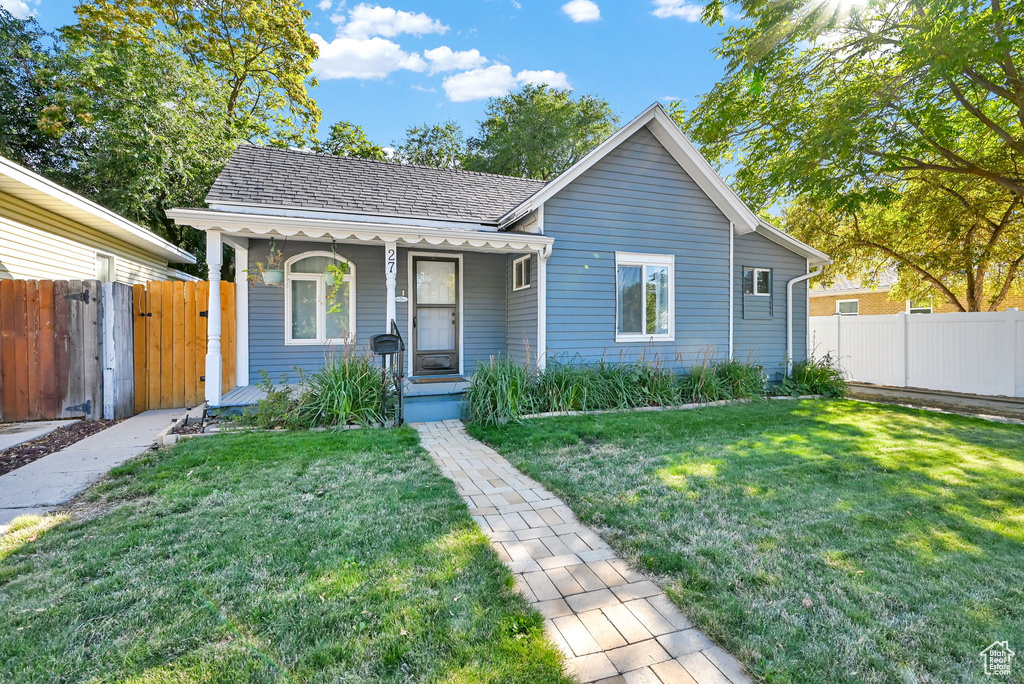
[[321, 301], [112, 259], [643, 261], [911, 309], [847, 301], [756, 270], [527, 269]]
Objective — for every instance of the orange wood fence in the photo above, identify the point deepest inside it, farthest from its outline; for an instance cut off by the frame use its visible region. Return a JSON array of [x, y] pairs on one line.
[[170, 342]]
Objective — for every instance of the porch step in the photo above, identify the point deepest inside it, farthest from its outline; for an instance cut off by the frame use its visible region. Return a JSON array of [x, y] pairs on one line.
[[430, 408]]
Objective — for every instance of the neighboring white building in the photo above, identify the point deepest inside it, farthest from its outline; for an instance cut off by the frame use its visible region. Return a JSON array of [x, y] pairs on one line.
[[48, 232]]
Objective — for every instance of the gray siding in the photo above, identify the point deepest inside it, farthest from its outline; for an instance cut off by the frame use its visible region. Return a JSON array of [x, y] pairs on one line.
[[759, 333], [484, 307], [522, 315], [636, 199]]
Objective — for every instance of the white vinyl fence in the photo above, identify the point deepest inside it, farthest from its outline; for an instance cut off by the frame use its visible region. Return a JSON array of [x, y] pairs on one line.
[[977, 353]]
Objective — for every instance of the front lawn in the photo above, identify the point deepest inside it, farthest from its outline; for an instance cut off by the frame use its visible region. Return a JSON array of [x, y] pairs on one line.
[[820, 541], [299, 557]]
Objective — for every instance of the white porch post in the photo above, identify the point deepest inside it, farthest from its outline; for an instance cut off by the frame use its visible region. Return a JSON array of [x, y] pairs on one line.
[[542, 305], [241, 248], [390, 276], [214, 260]]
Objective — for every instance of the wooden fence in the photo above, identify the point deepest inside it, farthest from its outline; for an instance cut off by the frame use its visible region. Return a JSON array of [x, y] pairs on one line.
[[977, 353], [51, 350], [170, 342]]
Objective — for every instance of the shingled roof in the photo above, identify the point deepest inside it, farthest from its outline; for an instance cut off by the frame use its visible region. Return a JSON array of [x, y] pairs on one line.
[[304, 180]]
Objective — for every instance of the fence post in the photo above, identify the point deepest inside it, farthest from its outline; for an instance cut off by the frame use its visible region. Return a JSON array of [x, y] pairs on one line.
[[1014, 366], [109, 355], [903, 368]]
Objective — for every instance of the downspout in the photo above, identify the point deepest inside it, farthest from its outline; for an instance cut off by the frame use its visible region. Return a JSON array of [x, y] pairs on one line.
[[732, 285], [789, 314]]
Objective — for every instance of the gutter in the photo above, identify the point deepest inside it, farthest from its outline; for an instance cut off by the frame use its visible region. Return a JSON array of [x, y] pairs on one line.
[[789, 314]]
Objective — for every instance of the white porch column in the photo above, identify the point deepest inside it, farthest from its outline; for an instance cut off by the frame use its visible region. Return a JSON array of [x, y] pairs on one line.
[[241, 249], [542, 305], [390, 276], [214, 260]]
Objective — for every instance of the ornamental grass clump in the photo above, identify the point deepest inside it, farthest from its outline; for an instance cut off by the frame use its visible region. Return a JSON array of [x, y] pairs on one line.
[[821, 376], [346, 390], [500, 392]]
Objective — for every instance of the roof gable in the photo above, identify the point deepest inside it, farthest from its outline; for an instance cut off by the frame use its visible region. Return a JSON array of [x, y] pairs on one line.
[[293, 179]]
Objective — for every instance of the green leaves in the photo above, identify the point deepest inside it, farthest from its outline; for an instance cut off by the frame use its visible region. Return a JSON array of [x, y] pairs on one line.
[[346, 139]]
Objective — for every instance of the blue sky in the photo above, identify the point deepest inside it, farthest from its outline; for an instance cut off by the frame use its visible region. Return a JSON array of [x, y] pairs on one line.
[[389, 65]]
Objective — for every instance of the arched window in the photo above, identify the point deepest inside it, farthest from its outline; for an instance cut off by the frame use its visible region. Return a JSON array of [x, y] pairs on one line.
[[312, 315]]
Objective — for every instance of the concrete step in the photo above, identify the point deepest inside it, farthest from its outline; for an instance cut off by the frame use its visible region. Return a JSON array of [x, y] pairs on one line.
[[430, 408]]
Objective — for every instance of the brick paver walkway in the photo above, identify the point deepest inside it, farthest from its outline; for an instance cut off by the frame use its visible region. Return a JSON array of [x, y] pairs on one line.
[[612, 624]]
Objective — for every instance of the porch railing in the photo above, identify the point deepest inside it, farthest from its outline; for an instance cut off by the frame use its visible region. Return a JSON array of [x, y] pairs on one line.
[[396, 366]]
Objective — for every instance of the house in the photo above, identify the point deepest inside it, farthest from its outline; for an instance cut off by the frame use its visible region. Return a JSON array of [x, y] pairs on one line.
[[638, 250], [48, 232], [851, 297]]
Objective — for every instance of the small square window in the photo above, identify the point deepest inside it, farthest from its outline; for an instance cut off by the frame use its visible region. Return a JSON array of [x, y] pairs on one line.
[[757, 281], [522, 276], [919, 306], [848, 307], [104, 268]]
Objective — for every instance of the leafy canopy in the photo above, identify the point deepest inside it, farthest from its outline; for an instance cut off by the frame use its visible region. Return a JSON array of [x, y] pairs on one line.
[[856, 107], [440, 145], [346, 139], [539, 132], [258, 49]]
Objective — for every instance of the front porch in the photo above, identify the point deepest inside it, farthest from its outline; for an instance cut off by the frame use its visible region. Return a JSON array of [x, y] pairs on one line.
[[451, 292]]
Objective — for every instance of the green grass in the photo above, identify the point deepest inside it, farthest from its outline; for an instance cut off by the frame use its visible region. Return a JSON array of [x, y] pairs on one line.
[[299, 557], [819, 541]]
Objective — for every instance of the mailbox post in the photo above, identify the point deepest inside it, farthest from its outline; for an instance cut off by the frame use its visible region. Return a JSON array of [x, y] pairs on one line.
[[391, 348]]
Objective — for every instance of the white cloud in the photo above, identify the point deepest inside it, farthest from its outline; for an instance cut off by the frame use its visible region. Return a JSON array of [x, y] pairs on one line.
[[423, 89], [18, 8], [369, 58], [364, 21], [446, 59], [478, 84], [671, 98], [582, 10], [555, 79], [677, 8], [324, 5], [496, 81]]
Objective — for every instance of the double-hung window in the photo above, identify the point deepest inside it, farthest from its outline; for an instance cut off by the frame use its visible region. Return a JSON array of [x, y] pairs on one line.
[[645, 297], [319, 307], [522, 277]]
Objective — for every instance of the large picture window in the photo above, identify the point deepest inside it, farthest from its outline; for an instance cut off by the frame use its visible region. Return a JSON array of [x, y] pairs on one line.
[[319, 310], [645, 297]]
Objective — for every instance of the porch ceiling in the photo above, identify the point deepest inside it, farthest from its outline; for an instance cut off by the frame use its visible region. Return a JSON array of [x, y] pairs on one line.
[[267, 225]]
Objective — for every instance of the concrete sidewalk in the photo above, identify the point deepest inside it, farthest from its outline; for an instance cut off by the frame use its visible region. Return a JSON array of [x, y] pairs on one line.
[[55, 479]]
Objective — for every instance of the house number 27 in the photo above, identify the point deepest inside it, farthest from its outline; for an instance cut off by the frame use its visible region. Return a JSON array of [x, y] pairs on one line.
[[391, 260]]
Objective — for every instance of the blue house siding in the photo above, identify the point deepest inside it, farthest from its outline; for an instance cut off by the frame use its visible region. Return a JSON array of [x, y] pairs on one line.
[[759, 326], [522, 316], [636, 199], [484, 314]]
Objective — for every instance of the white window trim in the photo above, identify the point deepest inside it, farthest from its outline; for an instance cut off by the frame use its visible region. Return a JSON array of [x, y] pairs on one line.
[[920, 309], [757, 270], [321, 301], [113, 264], [515, 265], [846, 301], [636, 259]]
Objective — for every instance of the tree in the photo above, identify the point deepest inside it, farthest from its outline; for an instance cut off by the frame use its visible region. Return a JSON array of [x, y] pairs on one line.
[[854, 108], [962, 241], [258, 49], [539, 132], [24, 92], [346, 139], [440, 145]]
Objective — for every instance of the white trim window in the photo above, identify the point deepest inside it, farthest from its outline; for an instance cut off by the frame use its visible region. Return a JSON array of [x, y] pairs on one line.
[[522, 275], [644, 297], [106, 267], [848, 307], [309, 318], [919, 306], [757, 281]]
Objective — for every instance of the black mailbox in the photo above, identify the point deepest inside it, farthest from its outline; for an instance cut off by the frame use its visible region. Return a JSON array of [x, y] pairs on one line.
[[385, 343]]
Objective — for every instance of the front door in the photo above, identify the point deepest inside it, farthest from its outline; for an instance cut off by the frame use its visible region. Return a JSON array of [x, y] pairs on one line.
[[435, 316]]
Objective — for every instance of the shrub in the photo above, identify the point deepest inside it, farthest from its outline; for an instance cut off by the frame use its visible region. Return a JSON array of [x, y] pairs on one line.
[[563, 387], [346, 390], [500, 392], [279, 407], [741, 380], [702, 384], [815, 376]]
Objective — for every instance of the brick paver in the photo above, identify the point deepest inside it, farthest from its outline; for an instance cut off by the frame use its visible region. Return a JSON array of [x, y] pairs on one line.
[[611, 623]]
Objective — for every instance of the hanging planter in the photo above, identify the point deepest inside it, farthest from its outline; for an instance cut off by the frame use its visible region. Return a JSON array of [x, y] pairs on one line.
[[335, 273], [269, 273]]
